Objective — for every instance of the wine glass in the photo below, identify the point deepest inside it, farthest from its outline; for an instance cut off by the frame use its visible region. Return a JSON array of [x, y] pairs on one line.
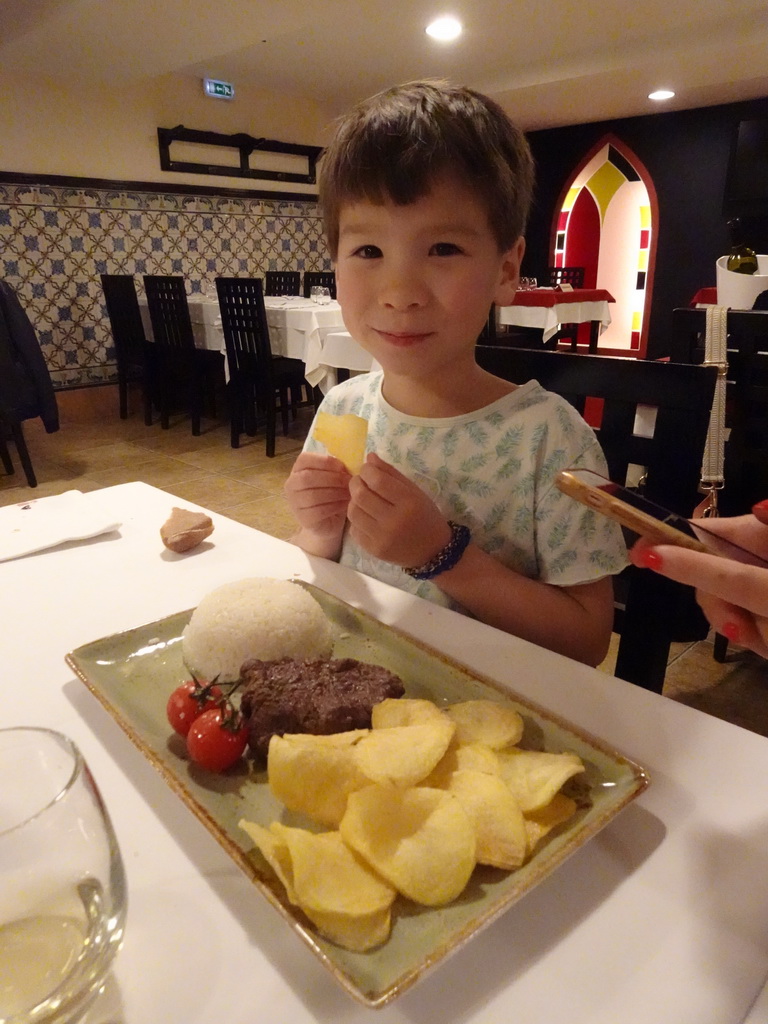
[[63, 892], [324, 296], [314, 293]]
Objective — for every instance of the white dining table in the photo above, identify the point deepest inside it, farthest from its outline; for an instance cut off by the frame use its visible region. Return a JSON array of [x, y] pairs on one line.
[[661, 918], [297, 328], [548, 308], [340, 351]]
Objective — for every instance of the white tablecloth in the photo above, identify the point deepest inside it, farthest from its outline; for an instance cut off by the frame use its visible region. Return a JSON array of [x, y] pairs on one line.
[[340, 351], [297, 328], [662, 918], [549, 318]]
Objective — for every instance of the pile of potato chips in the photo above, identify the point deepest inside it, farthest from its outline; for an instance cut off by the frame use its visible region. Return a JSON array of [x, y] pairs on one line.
[[412, 804]]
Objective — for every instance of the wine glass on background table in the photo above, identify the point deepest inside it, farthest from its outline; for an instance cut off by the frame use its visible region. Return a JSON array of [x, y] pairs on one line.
[[62, 883]]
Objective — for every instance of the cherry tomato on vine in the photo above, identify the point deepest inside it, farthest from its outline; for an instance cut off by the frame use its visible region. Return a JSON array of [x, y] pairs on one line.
[[189, 701], [217, 739]]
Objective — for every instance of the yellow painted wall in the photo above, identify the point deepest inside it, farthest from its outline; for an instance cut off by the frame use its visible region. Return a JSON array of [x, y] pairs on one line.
[[108, 132]]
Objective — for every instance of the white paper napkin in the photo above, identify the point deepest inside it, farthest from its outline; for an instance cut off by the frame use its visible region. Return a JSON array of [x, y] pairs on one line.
[[47, 522]]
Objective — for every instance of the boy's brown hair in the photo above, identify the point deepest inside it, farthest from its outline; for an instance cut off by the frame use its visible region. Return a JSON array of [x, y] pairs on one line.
[[392, 146]]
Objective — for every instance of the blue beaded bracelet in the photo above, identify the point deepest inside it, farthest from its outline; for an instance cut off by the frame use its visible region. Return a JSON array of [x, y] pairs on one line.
[[447, 557]]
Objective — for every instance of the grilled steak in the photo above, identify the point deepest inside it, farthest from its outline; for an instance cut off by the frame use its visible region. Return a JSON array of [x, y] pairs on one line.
[[320, 697]]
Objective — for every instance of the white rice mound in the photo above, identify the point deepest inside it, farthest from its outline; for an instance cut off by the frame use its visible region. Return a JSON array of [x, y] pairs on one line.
[[254, 618]]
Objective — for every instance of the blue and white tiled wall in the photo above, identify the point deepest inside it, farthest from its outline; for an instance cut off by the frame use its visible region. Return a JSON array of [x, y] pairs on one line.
[[55, 241]]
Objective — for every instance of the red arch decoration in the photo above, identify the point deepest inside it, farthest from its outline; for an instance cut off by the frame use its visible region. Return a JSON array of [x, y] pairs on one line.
[[583, 244], [584, 236]]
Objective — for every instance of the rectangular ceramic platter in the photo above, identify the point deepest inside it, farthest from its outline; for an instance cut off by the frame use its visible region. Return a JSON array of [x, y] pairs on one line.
[[133, 673]]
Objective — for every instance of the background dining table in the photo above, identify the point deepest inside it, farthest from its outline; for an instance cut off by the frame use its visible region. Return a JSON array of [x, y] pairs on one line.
[[297, 328], [340, 351], [548, 308], [661, 917]]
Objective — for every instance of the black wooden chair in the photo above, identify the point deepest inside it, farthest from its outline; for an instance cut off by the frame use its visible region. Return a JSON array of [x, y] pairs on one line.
[[258, 381], [26, 391], [133, 352], [11, 418], [746, 411], [489, 334], [745, 465], [319, 279], [573, 276], [179, 365], [282, 282], [650, 612]]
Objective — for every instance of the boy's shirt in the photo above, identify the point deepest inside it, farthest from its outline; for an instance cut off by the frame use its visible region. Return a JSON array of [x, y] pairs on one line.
[[492, 470]]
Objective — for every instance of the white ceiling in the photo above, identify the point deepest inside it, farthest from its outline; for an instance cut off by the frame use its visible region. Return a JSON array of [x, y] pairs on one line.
[[551, 63]]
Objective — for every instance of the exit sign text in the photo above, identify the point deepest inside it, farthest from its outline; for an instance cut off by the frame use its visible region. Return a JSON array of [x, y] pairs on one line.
[[221, 90]]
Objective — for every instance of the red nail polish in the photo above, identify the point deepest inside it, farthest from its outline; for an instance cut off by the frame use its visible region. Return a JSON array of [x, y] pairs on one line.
[[760, 506], [649, 558], [731, 631]]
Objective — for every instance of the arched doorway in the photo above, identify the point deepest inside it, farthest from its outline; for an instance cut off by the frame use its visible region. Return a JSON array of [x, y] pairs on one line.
[[607, 221]]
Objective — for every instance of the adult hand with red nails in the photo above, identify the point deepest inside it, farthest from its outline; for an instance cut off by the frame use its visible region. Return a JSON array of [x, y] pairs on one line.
[[733, 596]]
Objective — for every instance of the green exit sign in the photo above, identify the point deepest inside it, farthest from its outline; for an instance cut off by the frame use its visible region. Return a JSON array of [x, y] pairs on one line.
[[221, 90]]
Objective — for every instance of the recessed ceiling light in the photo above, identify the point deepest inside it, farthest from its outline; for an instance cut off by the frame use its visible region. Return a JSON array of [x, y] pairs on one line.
[[445, 29], [661, 94]]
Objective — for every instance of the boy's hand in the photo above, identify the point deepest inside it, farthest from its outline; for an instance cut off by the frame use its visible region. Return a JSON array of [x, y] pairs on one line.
[[392, 518], [318, 493]]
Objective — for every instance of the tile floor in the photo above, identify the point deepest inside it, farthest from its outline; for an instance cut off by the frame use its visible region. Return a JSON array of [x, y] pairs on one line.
[[94, 448]]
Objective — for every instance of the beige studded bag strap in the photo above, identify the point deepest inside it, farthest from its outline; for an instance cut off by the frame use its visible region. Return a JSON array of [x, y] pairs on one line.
[[715, 354]]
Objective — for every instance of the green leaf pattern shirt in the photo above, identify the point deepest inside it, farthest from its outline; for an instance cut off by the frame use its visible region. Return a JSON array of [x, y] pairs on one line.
[[493, 470]]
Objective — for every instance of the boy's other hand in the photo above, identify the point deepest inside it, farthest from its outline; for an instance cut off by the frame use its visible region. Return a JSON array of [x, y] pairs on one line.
[[317, 491], [392, 518]]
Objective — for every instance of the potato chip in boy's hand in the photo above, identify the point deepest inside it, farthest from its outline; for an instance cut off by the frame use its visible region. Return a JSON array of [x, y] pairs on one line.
[[344, 437]]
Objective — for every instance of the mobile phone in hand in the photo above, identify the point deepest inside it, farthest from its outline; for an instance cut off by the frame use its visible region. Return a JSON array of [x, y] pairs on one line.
[[645, 518]]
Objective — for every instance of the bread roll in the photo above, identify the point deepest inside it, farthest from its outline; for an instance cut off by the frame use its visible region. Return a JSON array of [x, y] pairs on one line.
[[184, 530]]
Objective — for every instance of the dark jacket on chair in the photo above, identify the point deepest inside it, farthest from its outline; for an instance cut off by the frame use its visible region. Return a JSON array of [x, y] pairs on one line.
[[29, 392]]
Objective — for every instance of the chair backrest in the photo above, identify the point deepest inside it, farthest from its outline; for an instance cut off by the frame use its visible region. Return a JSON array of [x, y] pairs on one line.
[[169, 313], [651, 611], [746, 412], [125, 318], [321, 279], [566, 275], [683, 399], [17, 403], [282, 282], [244, 323], [488, 335]]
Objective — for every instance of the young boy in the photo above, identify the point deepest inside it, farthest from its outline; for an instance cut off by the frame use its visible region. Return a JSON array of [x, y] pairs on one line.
[[425, 192]]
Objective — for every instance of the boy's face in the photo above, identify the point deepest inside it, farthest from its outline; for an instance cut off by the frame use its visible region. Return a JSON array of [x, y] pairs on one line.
[[416, 282]]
